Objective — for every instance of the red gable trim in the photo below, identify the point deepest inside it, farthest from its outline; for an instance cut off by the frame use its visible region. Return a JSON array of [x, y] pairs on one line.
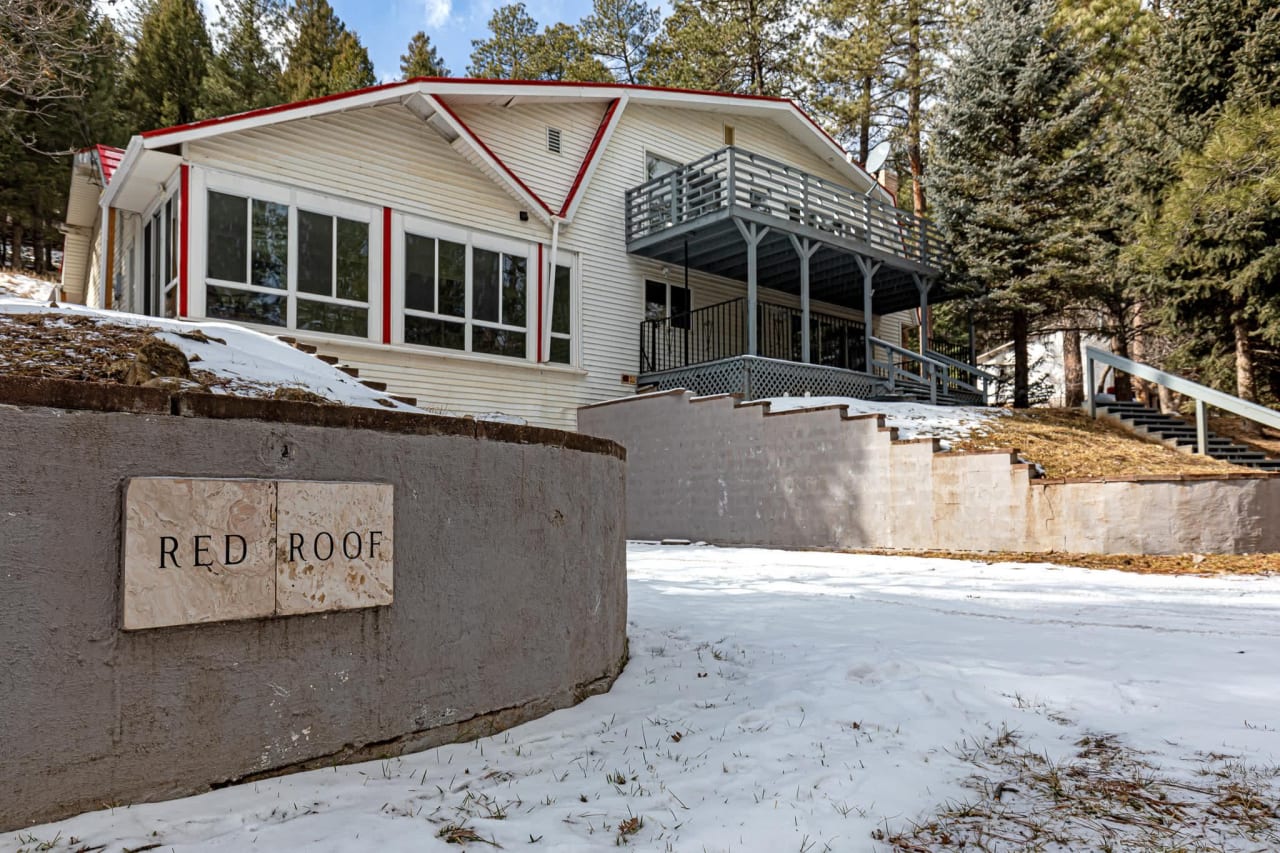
[[591, 156], [184, 239], [487, 150], [108, 159]]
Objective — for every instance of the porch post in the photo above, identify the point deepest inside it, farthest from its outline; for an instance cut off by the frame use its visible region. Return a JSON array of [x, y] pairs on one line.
[[806, 250], [753, 234], [923, 284], [869, 269]]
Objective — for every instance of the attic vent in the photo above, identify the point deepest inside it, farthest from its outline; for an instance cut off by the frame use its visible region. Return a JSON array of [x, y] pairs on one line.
[[553, 140]]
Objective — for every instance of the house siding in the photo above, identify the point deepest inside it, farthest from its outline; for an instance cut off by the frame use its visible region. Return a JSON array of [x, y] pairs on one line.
[[386, 156]]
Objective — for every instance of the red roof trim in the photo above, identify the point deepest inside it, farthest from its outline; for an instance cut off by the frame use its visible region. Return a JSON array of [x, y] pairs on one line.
[[590, 156], [495, 157], [109, 158]]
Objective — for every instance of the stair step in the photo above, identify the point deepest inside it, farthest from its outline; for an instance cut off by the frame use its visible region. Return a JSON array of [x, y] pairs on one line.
[[408, 401], [1265, 465], [349, 370], [307, 348], [374, 384], [286, 339], [328, 359]]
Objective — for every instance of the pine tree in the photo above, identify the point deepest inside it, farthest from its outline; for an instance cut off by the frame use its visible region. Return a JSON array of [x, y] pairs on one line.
[[854, 70], [1013, 157], [619, 32], [515, 50], [323, 57], [170, 61], [750, 46], [244, 74], [420, 59]]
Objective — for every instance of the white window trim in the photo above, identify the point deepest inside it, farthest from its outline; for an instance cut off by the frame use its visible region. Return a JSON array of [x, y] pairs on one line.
[[570, 260], [402, 223], [203, 179], [168, 193]]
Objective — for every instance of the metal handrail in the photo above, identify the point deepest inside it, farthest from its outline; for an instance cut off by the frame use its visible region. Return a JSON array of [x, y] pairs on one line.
[[960, 365], [933, 370], [1202, 394]]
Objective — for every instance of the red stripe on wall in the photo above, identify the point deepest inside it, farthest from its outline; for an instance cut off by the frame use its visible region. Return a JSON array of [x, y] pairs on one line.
[[386, 275], [184, 239], [541, 273]]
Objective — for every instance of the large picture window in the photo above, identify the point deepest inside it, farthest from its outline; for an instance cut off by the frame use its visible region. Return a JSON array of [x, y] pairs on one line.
[[465, 293], [281, 261]]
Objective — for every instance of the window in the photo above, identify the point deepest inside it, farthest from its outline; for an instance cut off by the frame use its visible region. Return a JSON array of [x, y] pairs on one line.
[[463, 296], [656, 166], [667, 300], [561, 316], [282, 262], [728, 134]]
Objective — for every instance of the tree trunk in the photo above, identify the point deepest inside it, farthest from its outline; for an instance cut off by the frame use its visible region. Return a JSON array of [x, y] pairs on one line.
[[1072, 369], [864, 122], [1245, 388], [1124, 384], [17, 246], [915, 87], [1021, 383], [1144, 390]]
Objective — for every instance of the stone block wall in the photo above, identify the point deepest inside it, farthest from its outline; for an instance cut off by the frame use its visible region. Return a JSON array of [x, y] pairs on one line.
[[510, 595], [715, 470]]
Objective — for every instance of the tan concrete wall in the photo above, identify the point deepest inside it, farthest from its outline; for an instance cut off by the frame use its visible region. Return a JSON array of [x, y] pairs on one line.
[[711, 469], [510, 595]]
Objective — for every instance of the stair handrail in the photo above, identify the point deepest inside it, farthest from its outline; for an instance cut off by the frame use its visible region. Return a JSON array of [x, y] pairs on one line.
[[1202, 394], [929, 373], [976, 372]]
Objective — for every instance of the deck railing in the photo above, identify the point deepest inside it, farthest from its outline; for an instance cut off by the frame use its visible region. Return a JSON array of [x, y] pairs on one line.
[[732, 177], [720, 331]]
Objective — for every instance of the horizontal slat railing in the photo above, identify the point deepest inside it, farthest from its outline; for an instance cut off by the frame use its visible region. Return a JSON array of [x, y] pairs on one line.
[[734, 177], [1202, 394], [933, 370]]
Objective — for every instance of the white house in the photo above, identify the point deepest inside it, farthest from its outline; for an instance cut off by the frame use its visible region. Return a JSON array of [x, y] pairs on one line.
[[521, 247]]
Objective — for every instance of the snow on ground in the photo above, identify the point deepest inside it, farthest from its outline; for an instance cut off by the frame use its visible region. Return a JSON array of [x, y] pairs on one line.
[[794, 701], [913, 420], [254, 363]]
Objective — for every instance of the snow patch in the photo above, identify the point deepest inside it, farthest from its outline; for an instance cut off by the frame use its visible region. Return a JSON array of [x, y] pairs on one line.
[[912, 420]]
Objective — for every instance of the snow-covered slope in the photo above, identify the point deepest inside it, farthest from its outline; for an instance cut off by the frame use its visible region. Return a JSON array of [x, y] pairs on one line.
[[251, 364], [913, 420]]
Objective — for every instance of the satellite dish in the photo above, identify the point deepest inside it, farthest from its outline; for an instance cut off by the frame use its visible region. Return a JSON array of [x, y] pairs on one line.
[[878, 155]]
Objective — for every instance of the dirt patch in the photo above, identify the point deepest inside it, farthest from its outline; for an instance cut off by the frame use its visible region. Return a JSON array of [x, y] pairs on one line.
[[1171, 564], [1067, 443]]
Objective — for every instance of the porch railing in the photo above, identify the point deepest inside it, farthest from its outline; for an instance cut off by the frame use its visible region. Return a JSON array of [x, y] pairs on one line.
[[720, 331], [732, 177], [940, 375]]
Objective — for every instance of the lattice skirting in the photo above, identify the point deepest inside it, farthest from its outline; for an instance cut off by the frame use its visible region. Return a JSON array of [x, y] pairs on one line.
[[755, 378]]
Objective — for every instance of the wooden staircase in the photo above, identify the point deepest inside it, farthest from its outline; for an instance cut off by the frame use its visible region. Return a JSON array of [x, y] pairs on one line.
[[353, 372]]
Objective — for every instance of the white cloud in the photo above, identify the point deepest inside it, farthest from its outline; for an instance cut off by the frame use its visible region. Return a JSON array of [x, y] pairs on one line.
[[438, 12]]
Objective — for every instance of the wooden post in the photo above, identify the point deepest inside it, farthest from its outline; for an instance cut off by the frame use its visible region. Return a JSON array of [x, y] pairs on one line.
[[108, 283], [1202, 428], [806, 250], [753, 234], [923, 284], [869, 269]]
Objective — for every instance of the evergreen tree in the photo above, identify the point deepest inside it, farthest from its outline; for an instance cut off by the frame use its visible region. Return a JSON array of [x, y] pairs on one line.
[[854, 70], [244, 74], [1014, 154], [420, 59], [170, 61], [515, 50], [750, 46], [619, 32], [323, 57]]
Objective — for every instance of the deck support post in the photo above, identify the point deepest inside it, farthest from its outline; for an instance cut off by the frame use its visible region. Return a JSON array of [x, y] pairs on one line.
[[753, 234], [923, 285], [806, 249], [869, 269]]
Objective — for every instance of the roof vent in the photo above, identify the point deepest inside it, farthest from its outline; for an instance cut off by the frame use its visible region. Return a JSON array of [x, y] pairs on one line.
[[553, 140]]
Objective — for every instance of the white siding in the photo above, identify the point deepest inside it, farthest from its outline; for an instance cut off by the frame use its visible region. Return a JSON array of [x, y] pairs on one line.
[[387, 156], [518, 135]]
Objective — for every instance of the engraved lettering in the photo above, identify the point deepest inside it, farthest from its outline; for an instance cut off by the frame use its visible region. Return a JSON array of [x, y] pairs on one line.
[[169, 548], [244, 550], [315, 546], [202, 548], [296, 544], [375, 539], [346, 541]]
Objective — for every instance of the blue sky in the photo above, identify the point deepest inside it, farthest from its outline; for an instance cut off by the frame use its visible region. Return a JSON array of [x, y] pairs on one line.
[[385, 28]]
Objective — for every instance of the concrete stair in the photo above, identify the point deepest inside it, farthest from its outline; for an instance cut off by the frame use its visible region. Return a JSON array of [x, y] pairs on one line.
[[1177, 433], [353, 372]]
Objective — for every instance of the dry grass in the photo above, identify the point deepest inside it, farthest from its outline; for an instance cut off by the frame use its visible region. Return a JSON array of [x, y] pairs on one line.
[[1248, 433], [54, 346], [1106, 797], [1158, 564], [1067, 443]]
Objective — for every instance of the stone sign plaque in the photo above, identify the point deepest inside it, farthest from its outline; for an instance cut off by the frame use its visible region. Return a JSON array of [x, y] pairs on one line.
[[333, 546], [211, 550]]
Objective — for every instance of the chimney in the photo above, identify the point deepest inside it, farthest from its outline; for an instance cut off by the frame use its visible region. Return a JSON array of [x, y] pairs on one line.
[[888, 179]]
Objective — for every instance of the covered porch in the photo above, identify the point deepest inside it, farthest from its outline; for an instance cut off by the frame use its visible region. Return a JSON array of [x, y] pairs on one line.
[[743, 216]]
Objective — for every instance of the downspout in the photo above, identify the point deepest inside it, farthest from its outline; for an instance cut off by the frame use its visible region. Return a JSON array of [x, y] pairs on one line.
[[544, 345]]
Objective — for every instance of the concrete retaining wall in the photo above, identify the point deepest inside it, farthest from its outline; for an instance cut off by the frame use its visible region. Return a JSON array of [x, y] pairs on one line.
[[711, 469], [510, 596]]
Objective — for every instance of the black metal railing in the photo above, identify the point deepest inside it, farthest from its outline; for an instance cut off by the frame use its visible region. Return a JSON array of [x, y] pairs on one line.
[[732, 177], [720, 331], [951, 349]]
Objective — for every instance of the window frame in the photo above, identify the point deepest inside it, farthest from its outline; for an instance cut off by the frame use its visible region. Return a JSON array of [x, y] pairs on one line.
[[160, 233], [403, 224], [574, 292], [203, 181], [668, 292]]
